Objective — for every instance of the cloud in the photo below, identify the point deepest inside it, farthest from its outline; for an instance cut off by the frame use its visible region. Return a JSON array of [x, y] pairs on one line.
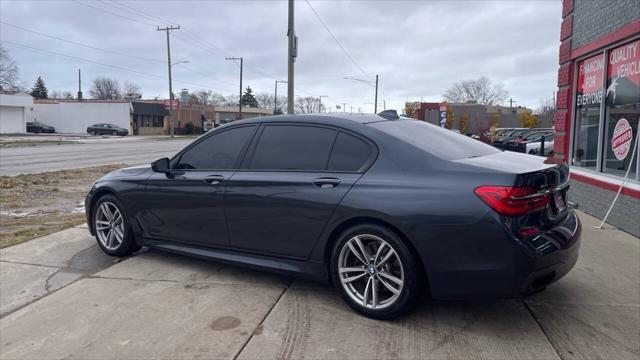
[[418, 48]]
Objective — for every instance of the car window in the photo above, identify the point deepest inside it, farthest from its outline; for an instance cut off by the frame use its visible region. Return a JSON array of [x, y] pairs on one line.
[[293, 147], [349, 153], [219, 151], [435, 140]]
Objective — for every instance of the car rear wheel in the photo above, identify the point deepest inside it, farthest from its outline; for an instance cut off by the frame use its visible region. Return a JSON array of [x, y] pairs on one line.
[[111, 228], [375, 271], [92, 133], [114, 133]]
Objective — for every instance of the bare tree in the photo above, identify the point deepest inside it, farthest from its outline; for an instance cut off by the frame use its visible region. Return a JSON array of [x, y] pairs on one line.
[[8, 71], [57, 94], [200, 97], [308, 105], [105, 88], [265, 100], [218, 99], [131, 90], [480, 91], [232, 100], [547, 106]]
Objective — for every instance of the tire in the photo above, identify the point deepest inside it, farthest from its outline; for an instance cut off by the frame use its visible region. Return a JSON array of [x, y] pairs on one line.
[[400, 272], [93, 133], [113, 233], [114, 133]]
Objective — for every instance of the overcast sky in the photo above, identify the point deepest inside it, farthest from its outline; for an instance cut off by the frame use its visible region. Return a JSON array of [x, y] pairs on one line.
[[418, 48]]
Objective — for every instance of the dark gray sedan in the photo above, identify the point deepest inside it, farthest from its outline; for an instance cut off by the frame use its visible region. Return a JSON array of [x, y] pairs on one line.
[[107, 129], [37, 127], [383, 207]]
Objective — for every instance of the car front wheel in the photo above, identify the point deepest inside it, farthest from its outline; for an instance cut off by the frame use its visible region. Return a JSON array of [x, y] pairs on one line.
[[111, 228], [375, 271]]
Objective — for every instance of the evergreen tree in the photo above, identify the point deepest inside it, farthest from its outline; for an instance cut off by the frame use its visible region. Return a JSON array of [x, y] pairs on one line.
[[248, 99], [39, 90]]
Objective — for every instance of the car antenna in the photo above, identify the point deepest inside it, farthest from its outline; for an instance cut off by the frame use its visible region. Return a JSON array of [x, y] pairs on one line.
[[389, 114]]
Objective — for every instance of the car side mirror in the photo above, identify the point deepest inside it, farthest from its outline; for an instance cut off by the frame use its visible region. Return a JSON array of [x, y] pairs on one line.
[[160, 165]]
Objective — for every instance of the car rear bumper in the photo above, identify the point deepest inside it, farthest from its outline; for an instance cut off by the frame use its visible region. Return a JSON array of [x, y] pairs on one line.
[[555, 253], [498, 264]]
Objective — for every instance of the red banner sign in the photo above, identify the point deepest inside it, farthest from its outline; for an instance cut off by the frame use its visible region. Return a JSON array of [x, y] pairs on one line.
[[624, 62], [623, 75], [590, 77], [176, 103]]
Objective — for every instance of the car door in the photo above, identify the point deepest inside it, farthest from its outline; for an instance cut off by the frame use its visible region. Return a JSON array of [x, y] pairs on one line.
[[186, 204], [279, 201]]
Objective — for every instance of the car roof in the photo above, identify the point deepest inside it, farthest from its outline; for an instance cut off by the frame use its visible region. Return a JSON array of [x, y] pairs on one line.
[[345, 119]]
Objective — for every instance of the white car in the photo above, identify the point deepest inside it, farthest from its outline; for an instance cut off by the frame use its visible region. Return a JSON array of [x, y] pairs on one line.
[[533, 147]]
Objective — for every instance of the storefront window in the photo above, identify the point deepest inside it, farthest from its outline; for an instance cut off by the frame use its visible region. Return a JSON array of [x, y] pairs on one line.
[[622, 109], [589, 98]]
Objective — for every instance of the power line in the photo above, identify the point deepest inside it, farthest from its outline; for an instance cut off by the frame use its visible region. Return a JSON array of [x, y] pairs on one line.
[[335, 39], [196, 40], [127, 8], [80, 44], [76, 58], [113, 13]]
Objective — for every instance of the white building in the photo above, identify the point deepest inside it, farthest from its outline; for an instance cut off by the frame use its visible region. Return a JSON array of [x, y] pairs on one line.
[[72, 116], [14, 112]]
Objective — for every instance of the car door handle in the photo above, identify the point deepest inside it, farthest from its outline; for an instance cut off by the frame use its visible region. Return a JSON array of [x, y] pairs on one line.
[[326, 182], [213, 179]]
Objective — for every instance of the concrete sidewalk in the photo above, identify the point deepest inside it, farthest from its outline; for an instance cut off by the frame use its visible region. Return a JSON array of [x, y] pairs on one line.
[[60, 297]]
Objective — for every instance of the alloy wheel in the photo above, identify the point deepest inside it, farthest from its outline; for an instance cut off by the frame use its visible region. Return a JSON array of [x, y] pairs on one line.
[[109, 225], [370, 271]]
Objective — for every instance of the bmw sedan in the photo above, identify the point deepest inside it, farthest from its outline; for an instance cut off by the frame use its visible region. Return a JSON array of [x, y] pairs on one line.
[[383, 207], [37, 127]]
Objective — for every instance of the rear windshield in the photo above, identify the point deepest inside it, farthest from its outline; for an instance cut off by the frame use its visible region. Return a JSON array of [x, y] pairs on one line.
[[435, 140]]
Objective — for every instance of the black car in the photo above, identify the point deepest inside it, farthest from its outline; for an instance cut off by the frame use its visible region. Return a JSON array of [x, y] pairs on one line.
[[38, 127], [107, 129], [382, 207]]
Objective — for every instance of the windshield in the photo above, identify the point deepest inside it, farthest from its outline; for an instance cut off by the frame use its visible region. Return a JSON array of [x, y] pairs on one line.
[[435, 140]]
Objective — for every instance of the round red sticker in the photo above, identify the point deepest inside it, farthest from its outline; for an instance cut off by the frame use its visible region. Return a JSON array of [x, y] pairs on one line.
[[621, 140]]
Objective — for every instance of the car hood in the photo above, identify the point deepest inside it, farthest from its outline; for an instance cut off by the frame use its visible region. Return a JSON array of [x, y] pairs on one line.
[[133, 171]]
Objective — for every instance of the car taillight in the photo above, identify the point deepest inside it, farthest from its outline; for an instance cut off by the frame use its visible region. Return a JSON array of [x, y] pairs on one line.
[[512, 200]]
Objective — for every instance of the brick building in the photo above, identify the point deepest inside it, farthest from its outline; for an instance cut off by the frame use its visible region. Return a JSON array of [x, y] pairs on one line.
[[598, 106], [479, 117]]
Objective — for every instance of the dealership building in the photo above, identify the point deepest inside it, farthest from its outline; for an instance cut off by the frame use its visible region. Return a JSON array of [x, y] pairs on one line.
[[598, 107]]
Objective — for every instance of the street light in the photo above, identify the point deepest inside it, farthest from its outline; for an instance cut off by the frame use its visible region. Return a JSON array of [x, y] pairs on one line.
[[180, 62], [370, 83], [320, 105], [239, 99], [171, 94], [275, 96]]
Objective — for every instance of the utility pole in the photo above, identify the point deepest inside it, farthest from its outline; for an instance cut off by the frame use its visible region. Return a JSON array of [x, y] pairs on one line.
[[167, 30], [511, 101], [320, 106], [375, 106], [275, 96], [240, 99], [79, 86], [293, 53], [344, 107], [370, 83]]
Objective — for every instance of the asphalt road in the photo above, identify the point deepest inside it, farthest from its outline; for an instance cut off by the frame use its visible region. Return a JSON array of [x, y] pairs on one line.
[[61, 297], [42, 158]]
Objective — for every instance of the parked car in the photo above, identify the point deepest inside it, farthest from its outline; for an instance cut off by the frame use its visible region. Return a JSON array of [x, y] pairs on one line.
[[519, 144], [382, 207], [107, 129], [533, 147], [38, 127]]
